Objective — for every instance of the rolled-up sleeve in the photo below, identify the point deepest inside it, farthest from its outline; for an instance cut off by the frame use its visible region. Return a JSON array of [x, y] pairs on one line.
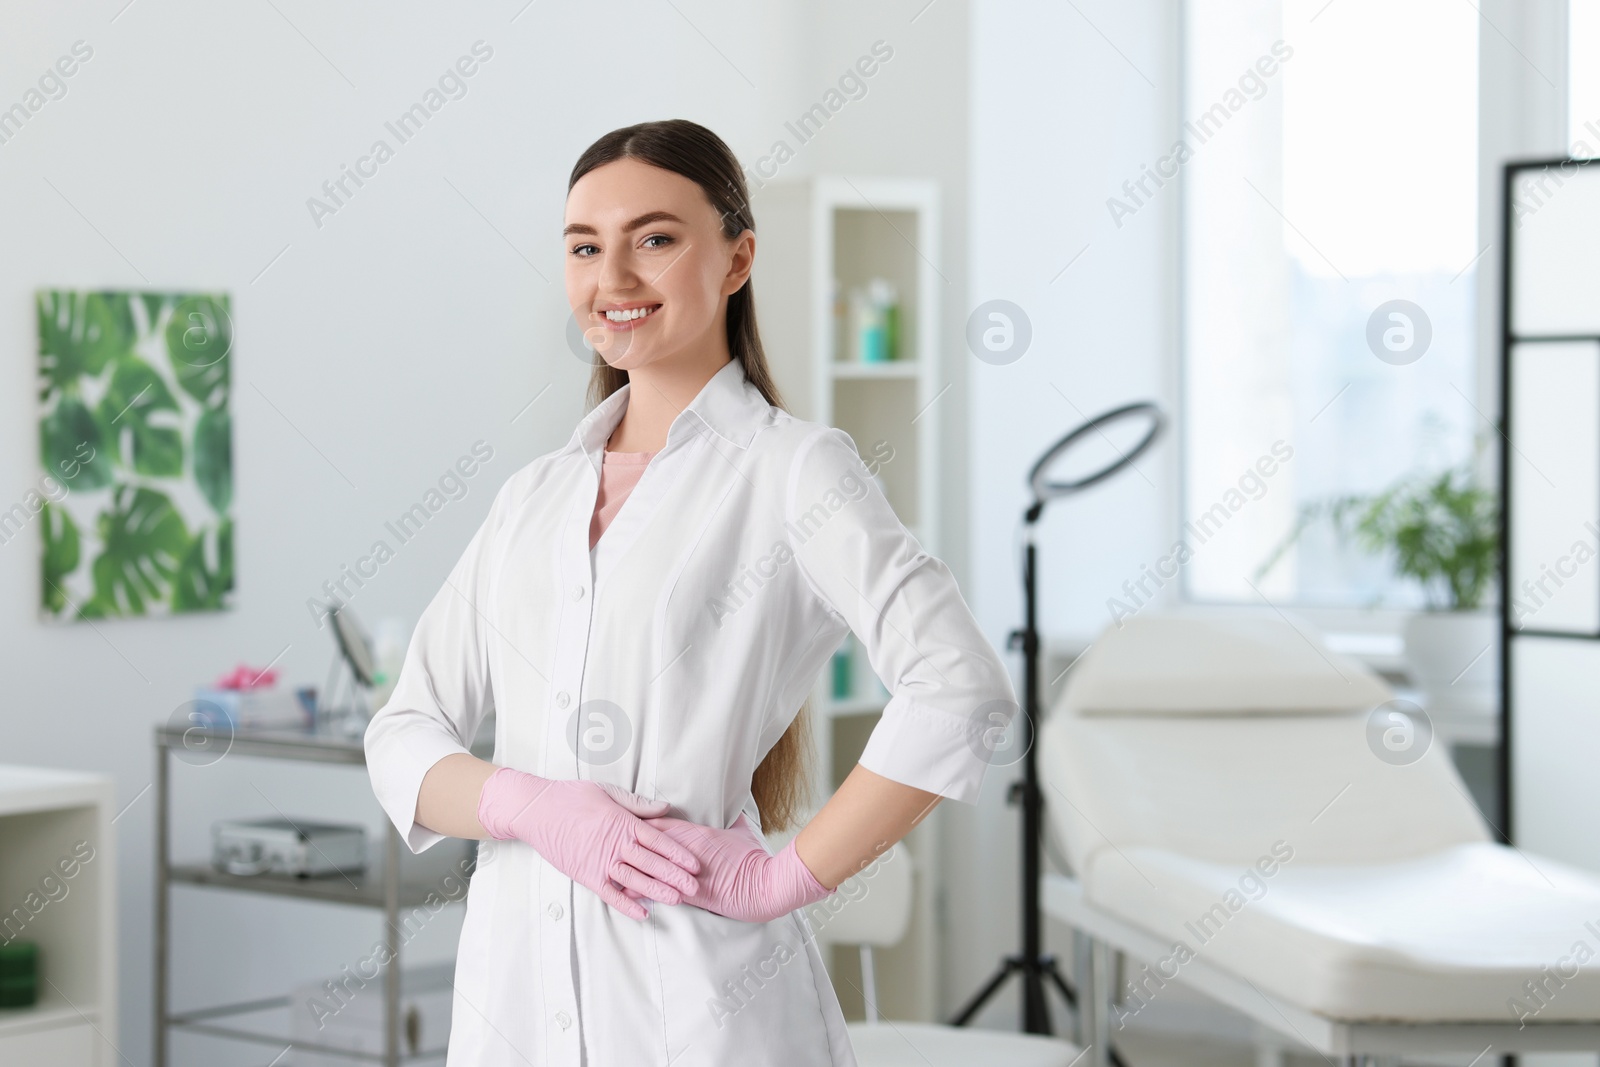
[[950, 692], [443, 692]]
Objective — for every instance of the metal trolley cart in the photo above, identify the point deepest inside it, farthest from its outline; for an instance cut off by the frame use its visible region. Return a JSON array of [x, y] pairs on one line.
[[382, 885]]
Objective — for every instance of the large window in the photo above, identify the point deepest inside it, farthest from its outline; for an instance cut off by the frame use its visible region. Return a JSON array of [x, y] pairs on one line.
[[1330, 250]]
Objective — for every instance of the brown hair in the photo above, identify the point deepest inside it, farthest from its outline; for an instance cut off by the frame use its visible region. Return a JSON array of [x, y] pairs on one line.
[[781, 783]]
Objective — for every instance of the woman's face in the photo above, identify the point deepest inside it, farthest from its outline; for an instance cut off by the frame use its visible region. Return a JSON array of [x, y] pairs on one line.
[[648, 269]]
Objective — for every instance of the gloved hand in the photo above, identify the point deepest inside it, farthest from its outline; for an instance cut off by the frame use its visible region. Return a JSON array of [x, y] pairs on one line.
[[594, 834], [739, 878]]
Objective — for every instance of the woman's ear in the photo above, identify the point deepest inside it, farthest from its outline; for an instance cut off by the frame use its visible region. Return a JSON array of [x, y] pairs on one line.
[[742, 259]]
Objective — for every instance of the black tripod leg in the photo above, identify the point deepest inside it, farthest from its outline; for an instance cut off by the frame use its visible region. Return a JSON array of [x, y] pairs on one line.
[[1036, 1007], [979, 998], [1061, 983]]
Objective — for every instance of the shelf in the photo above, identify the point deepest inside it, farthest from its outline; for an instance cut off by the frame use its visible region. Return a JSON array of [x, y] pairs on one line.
[[318, 745], [56, 825], [25, 790], [362, 888], [893, 368], [200, 1021], [824, 236], [51, 1012], [416, 882]]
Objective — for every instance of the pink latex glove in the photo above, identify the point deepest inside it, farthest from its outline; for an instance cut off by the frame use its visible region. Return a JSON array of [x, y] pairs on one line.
[[594, 834], [739, 878]]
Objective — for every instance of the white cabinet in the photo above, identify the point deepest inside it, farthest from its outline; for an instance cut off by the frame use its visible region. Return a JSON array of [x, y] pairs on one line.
[[816, 240], [57, 890]]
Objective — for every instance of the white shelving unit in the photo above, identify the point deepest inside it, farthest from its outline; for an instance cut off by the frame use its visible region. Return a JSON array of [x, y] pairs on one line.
[[815, 239], [53, 822]]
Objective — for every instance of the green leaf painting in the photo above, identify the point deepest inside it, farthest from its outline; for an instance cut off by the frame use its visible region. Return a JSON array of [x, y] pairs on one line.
[[79, 333], [134, 402], [136, 441], [60, 555]]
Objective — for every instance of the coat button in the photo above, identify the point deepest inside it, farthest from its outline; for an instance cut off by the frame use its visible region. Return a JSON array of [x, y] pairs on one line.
[[554, 910], [562, 700], [577, 592], [564, 1019]]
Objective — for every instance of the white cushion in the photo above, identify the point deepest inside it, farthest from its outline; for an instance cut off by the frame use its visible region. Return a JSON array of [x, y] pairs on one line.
[[901, 1044], [1224, 789], [1449, 936], [1212, 661]]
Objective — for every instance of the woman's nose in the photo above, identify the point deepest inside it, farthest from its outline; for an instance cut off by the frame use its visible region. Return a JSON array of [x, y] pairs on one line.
[[618, 272]]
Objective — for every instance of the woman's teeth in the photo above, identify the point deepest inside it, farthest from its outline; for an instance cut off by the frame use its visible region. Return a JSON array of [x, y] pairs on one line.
[[630, 314]]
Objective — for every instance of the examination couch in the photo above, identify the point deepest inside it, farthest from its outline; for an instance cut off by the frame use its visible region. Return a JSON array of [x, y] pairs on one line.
[[1253, 816]]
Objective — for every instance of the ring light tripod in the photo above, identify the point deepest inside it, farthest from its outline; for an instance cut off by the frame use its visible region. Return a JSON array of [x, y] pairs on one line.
[[1034, 966]]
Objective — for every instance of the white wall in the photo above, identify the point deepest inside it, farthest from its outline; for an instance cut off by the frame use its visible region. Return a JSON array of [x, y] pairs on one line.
[[1069, 101], [371, 352]]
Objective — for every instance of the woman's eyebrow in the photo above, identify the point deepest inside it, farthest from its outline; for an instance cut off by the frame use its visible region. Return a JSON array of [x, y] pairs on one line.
[[643, 220]]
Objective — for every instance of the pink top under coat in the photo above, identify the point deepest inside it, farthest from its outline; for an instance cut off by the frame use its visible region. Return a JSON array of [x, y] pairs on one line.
[[619, 473]]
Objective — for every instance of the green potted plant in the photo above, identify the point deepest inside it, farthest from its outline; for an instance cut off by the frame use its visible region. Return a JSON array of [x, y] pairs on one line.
[[1442, 531]]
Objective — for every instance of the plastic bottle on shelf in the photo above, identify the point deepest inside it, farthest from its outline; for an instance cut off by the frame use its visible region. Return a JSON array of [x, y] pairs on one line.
[[886, 303], [865, 327]]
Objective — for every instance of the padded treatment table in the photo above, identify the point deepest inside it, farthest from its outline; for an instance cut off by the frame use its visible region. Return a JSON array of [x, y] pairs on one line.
[[1237, 822]]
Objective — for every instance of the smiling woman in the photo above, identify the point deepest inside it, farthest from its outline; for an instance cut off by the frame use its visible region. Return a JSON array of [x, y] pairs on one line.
[[632, 909]]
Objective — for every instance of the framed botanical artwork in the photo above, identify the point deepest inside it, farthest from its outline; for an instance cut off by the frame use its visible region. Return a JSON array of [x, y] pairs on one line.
[[136, 442]]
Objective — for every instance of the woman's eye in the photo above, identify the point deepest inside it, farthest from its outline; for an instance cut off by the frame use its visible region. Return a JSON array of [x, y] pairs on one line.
[[580, 250], [663, 238]]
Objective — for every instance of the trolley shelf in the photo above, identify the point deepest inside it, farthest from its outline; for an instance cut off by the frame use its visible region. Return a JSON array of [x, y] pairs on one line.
[[319, 745], [208, 1021], [361, 888], [384, 885]]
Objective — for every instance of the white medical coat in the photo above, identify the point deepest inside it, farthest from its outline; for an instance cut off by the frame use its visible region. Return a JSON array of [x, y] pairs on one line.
[[669, 660]]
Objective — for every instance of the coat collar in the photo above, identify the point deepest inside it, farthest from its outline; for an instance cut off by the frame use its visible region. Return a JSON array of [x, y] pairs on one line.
[[728, 405]]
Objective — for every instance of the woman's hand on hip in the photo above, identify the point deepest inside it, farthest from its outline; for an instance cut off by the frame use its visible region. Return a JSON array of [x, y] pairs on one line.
[[593, 832], [739, 878]]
